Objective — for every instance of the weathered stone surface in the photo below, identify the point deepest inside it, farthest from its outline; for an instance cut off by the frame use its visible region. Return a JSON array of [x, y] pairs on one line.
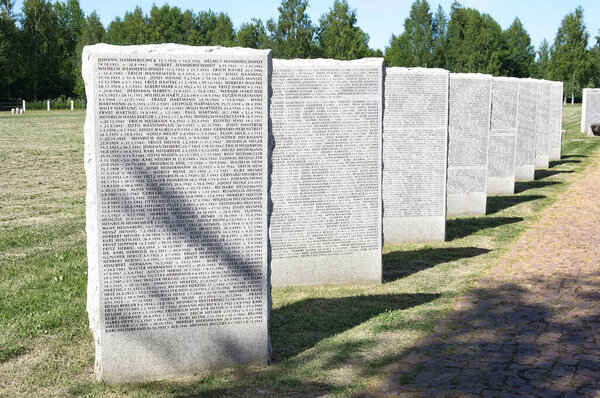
[[526, 115], [503, 136], [415, 138], [12, 110], [543, 125], [327, 124], [177, 166], [590, 109], [556, 117], [468, 134]]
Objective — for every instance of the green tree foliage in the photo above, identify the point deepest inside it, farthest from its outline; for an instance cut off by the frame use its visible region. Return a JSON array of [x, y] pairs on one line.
[[165, 25], [543, 58], [9, 55], [133, 29], [339, 37], [439, 28], [41, 50], [92, 33], [292, 36], [569, 55], [414, 47], [252, 35], [520, 54], [475, 43], [71, 21]]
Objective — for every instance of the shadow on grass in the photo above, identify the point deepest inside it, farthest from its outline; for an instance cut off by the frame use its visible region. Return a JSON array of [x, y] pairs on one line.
[[400, 264], [554, 163], [522, 186], [461, 227], [299, 326], [541, 174], [498, 203], [573, 156]]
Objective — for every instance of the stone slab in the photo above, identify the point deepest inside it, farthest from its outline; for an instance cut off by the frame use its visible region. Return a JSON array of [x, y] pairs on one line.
[[327, 124], [503, 136], [415, 146], [543, 125], [177, 165], [526, 114], [555, 147], [468, 136], [590, 109]]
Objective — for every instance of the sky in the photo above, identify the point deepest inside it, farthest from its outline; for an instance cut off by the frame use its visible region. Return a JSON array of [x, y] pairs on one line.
[[378, 18]]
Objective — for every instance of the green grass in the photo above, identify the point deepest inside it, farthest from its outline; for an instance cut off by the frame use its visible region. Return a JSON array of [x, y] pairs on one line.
[[326, 340]]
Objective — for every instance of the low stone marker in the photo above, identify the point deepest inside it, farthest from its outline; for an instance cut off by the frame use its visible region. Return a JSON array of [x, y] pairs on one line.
[[327, 125], [526, 115], [468, 134], [543, 125], [555, 146], [48, 105], [590, 109], [71, 105], [503, 136], [22, 111], [12, 111], [177, 164], [415, 137]]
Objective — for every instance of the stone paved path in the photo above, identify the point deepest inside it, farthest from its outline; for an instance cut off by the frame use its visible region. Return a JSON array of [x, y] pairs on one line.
[[532, 326]]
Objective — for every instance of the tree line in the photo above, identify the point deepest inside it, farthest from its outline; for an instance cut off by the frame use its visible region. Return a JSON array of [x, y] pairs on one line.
[[41, 45]]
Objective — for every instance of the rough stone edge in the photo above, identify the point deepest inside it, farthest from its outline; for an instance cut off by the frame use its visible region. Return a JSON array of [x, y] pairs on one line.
[[482, 76], [93, 305], [393, 70], [323, 62]]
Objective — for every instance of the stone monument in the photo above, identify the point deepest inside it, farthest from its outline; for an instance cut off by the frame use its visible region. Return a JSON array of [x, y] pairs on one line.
[[468, 133], [555, 147], [503, 136], [415, 147], [590, 109], [543, 125], [526, 115], [177, 164], [327, 125]]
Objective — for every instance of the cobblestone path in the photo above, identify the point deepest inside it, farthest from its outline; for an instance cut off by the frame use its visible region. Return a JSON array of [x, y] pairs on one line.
[[532, 325]]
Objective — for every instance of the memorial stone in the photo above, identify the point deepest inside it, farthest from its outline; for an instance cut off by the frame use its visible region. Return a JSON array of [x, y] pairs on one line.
[[22, 111], [177, 166], [503, 136], [555, 134], [543, 125], [526, 115], [590, 109], [468, 134], [415, 138], [12, 110], [327, 125]]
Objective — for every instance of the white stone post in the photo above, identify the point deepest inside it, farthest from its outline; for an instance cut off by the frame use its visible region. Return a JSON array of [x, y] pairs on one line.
[[71, 105], [572, 99], [565, 101], [24, 106], [12, 110], [48, 105]]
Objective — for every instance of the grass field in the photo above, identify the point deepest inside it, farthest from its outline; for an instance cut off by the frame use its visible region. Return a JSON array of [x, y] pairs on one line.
[[330, 340]]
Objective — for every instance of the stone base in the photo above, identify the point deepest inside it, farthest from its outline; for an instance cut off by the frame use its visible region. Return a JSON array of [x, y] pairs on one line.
[[525, 173], [542, 162], [398, 230], [469, 204], [500, 185], [357, 268], [555, 154], [159, 354]]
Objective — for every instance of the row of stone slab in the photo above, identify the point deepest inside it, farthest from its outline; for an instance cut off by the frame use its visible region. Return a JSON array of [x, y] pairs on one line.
[[216, 173], [17, 111], [590, 109]]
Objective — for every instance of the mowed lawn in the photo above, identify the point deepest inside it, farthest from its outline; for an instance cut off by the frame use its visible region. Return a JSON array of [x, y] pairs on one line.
[[328, 340]]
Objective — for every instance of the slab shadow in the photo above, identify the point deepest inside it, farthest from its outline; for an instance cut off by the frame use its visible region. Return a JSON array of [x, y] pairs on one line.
[[541, 174], [522, 186], [572, 156], [299, 326], [554, 163], [461, 227], [400, 264], [498, 203]]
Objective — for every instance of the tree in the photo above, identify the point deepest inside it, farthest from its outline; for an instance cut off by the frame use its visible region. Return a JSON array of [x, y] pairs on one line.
[[40, 43], [92, 33], [440, 28], [339, 37], [474, 42], [543, 58], [9, 55], [252, 35], [293, 34], [569, 55], [223, 33], [165, 25], [520, 55], [133, 29], [414, 47], [71, 20]]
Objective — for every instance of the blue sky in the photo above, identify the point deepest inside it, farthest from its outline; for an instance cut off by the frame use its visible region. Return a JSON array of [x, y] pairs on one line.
[[379, 18]]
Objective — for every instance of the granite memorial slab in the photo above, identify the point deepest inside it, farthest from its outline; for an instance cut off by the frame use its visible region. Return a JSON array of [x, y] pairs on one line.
[[590, 109], [327, 124], [543, 125], [415, 147], [555, 133], [526, 115], [177, 164]]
